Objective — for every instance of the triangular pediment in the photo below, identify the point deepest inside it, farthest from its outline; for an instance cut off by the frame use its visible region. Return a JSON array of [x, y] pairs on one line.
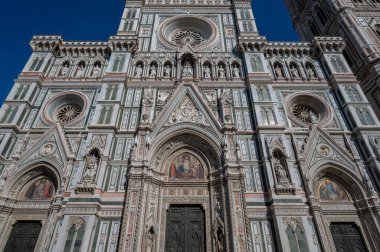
[[321, 146], [186, 106], [51, 147]]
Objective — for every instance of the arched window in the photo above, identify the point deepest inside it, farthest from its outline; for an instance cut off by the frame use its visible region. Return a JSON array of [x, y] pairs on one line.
[[105, 115], [118, 64], [111, 92], [297, 240], [256, 64], [128, 26], [131, 13], [37, 63], [267, 116], [364, 116], [245, 14], [262, 93], [321, 15], [338, 64], [21, 92], [75, 236], [352, 93], [313, 29]]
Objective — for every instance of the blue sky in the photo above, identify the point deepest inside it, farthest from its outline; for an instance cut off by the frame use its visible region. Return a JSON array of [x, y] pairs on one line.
[[92, 20]]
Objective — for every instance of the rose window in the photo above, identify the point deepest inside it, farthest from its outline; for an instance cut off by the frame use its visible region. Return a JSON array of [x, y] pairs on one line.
[[305, 113], [67, 113], [188, 30], [182, 38], [305, 109]]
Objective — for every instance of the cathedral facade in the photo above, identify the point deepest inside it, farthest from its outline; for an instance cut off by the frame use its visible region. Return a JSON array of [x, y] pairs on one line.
[[188, 131], [358, 23]]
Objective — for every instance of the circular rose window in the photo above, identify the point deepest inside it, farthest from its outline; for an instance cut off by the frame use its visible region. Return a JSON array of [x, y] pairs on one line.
[[194, 31], [305, 113], [67, 113], [305, 109], [66, 108]]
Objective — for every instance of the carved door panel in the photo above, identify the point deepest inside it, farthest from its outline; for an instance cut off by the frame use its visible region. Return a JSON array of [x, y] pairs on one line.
[[23, 237], [185, 229], [347, 237]]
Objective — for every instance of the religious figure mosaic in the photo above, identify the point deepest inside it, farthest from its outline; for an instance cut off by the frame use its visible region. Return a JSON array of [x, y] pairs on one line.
[[40, 190], [329, 190], [186, 166]]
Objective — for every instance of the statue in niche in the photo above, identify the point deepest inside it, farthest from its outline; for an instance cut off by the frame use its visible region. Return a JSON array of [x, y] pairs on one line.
[[222, 72], [138, 71], [65, 69], [187, 69], [150, 238], [280, 172], [236, 71], [167, 71], [80, 71], [207, 72], [219, 239], [278, 70], [294, 71], [96, 70], [92, 162], [310, 71], [153, 71]]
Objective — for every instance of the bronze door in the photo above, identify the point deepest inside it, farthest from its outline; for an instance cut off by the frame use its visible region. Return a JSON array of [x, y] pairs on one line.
[[24, 236], [347, 237], [185, 229]]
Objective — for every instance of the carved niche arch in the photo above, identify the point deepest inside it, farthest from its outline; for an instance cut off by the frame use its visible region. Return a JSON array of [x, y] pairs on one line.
[[184, 144], [342, 176], [19, 183]]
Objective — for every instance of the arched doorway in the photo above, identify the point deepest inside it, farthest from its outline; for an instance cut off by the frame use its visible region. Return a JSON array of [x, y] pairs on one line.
[[27, 223], [343, 218], [189, 194]]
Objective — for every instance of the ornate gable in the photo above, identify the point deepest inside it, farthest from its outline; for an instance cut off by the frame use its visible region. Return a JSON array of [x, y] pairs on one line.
[[322, 147], [186, 105], [52, 146]]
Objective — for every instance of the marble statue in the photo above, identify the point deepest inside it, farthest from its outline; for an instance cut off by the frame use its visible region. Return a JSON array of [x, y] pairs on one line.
[[207, 72], [138, 71], [92, 162], [280, 171], [167, 71], [187, 70], [310, 72], [222, 72], [96, 71], [278, 70], [80, 71], [294, 71], [153, 71], [236, 71], [64, 70]]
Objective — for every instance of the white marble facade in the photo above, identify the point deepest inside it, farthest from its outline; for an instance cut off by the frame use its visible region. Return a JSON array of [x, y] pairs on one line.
[[280, 137]]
